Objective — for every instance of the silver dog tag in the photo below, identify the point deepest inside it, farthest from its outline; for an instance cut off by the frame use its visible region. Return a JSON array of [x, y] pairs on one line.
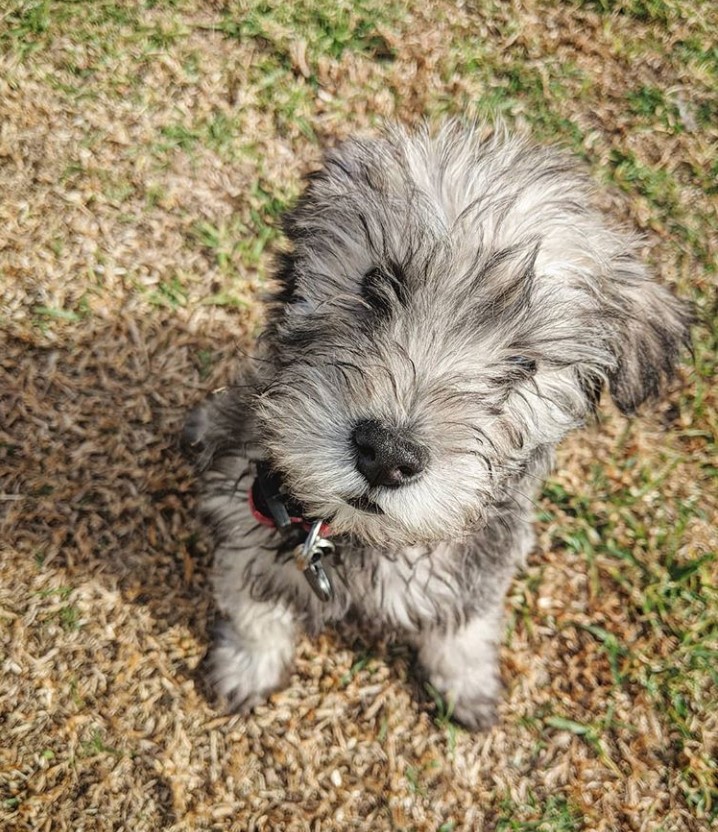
[[309, 555]]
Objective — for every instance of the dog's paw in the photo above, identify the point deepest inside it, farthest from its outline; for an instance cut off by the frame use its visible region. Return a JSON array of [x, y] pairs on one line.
[[462, 666], [467, 699], [477, 713], [244, 675]]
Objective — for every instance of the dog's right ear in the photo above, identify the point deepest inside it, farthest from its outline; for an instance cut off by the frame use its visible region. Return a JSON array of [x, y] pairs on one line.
[[652, 327]]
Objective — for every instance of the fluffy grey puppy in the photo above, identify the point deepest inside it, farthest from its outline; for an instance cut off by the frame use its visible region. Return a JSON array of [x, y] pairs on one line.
[[450, 307]]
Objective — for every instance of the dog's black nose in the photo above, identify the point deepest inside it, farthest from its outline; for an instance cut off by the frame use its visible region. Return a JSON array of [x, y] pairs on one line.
[[384, 457]]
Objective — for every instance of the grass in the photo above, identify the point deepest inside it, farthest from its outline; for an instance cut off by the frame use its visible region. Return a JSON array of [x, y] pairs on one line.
[[150, 150], [68, 615], [96, 745], [330, 30], [170, 293], [443, 718], [671, 602], [552, 815]]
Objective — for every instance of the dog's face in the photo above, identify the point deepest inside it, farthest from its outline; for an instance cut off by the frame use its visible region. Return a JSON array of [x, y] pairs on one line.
[[449, 310]]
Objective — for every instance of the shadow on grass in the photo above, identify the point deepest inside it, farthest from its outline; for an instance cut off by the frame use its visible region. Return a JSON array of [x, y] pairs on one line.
[[93, 479]]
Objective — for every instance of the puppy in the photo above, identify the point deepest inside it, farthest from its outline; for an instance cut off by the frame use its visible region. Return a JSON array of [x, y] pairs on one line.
[[449, 308]]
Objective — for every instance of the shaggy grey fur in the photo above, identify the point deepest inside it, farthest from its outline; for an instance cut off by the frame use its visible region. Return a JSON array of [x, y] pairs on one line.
[[460, 296]]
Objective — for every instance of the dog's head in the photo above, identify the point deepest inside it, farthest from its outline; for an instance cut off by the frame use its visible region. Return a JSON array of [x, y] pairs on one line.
[[449, 309]]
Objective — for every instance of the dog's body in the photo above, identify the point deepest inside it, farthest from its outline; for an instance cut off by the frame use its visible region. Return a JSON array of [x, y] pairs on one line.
[[451, 307]]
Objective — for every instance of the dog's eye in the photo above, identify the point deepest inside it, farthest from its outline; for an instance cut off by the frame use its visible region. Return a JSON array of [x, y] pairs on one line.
[[523, 364]]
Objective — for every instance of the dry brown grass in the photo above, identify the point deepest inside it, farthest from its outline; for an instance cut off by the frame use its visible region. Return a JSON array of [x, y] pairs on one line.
[[145, 151]]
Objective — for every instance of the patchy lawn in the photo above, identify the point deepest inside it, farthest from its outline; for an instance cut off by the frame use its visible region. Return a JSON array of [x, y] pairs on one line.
[[146, 151]]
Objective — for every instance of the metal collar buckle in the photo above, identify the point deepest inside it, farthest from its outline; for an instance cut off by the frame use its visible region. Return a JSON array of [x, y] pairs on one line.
[[309, 559], [271, 507]]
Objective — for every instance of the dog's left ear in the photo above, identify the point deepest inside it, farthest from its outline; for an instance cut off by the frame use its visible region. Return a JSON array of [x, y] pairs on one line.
[[651, 328]]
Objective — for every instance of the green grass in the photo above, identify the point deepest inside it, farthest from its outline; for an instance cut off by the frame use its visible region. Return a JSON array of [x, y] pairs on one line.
[[649, 11], [69, 618], [511, 85], [96, 745], [554, 814], [53, 312], [665, 200], [204, 361], [68, 614], [416, 777], [330, 29], [672, 601], [443, 717], [33, 25], [652, 108], [635, 177], [361, 663], [169, 293], [546, 95]]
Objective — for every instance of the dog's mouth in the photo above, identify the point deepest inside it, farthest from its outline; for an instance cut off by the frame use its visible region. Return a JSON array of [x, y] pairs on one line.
[[363, 503]]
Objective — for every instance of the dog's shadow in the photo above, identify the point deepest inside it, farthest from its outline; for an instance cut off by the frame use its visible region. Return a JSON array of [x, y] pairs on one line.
[[95, 482]]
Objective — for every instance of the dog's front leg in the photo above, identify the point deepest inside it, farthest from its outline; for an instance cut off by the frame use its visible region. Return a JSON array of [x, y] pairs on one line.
[[462, 665], [254, 649]]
